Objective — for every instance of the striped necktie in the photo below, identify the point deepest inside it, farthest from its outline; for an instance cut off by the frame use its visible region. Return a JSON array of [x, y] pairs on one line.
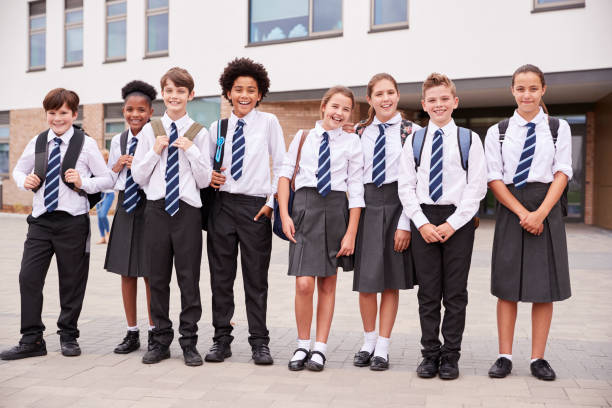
[[378, 161], [435, 169], [522, 170], [238, 147], [53, 177], [130, 195], [172, 174], [324, 172]]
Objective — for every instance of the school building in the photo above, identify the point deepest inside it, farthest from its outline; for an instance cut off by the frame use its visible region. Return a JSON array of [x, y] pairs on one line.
[[95, 46]]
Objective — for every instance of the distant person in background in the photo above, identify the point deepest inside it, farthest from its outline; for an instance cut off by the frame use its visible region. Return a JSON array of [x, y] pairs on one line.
[[102, 209]]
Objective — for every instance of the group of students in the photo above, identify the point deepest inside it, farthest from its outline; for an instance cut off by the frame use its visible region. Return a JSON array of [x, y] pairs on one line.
[[347, 196]]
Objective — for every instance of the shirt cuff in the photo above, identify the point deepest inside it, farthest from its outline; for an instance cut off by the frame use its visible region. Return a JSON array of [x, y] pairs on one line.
[[494, 175], [270, 202], [285, 173], [419, 219], [456, 221], [403, 223], [19, 181], [356, 202], [567, 170], [86, 185]]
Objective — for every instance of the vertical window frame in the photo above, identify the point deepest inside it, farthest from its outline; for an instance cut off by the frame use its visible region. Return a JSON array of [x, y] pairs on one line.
[[68, 26], [402, 25], [154, 12], [112, 19], [557, 5], [32, 32]]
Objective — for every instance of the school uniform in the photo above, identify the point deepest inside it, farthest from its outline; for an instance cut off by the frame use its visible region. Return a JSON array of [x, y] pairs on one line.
[[321, 220], [377, 266], [526, 267], [126, 249], [63, 231], [249, 144], [442, 268], [170, 235]]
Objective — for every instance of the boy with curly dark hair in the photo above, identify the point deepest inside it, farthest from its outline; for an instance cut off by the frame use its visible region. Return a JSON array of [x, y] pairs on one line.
[[242, 210]]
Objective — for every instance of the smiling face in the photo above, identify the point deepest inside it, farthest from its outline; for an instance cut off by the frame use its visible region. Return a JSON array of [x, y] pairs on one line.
[[336, 111], [439, 103], [175, 99], [244, 95], [528, 91], [61, 119], [137, 112], [384, 99]]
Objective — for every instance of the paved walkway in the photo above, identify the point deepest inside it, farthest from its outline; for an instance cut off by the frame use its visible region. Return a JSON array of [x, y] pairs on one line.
[[580, 345]]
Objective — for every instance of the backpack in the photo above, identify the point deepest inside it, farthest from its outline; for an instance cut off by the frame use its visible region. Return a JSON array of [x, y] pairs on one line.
[[464, 140], [553, 125], [405, 129], [41, 159]]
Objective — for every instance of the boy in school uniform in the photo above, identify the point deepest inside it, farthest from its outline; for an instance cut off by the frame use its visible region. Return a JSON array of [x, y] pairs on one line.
[[442, 180], [59, 223], [170, 164], [241, 212]]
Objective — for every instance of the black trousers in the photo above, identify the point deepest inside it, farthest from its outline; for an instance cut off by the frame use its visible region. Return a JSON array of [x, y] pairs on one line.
[[67, 237], [231, 223], [442, 272], [180, 238]]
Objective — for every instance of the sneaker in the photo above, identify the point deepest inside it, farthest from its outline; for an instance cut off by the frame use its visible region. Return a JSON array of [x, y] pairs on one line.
[[218, 352], [25, 350], [261, 355], [131, 342]]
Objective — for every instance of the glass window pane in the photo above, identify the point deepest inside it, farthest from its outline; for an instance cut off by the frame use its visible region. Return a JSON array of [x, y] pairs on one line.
[[116, 9], [4, 157], [37, 50], [157, 3], [158, 32], [112, 128], [4, 132], [74, 44], [390, 11], [74, 16], [115, 41], [278, 19], [37, 22], [204, 110], [327, 15]]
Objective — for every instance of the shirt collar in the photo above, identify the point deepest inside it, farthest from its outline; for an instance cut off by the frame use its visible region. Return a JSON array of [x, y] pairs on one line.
[[247, 119], [393, 121], [447, 129], [331, 133], [180, 123], [522, 122], [65, 137]]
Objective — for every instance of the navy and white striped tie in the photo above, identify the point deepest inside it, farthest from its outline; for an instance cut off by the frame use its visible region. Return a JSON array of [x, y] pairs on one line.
[[378, 160], [131, 197], [435, 168], [54, 167], [522, 170], [238, 147], [324, 172], [172, 174]]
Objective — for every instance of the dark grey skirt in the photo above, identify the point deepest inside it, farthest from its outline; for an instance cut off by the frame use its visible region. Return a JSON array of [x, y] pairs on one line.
[[320, 224], [377, 266], [126, 244], [526, 267]]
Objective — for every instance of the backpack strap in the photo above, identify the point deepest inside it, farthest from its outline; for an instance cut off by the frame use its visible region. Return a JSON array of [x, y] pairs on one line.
[[405, 130], [553, 125], [418, 140], [72, 154], [464, 140], [158, 127], [299, 155], [41, 158], [220, 150], [360, 128], [193, 130], [123, 141], [502, 127]]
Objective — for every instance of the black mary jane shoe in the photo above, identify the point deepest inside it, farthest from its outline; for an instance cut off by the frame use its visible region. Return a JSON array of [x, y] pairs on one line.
[[313, 365], [501, 368], [298, 365], [362, 358], [379, 363], [131, 342], [541, 370]]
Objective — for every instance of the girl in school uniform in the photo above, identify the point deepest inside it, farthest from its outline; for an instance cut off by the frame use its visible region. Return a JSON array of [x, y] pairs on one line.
[[125, 247], [383, 261], [527, 172], [102, 209], [323, 225]]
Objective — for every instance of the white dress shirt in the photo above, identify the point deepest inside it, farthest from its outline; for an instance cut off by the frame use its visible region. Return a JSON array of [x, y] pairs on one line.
[[547, 158], [346, 160], [115, 153], [463, 193], [149, 168], [263, 137], [89, 162], [393, 151]]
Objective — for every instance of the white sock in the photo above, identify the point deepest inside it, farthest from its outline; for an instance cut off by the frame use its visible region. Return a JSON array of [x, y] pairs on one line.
[[535, 359], [151, 327], [320, 347], [132, 328], [369, 341], [382, 347], [508, 356], [305, 344]]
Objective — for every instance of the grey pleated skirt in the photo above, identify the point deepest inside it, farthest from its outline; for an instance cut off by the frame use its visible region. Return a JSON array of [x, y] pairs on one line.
[[377, 266], [526, 267], [126, 248], [320, 224]]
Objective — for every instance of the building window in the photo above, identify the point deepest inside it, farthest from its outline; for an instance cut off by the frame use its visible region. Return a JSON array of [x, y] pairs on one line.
[[73, 32], [111, 128], [116, 29], [549, 5], [388, 14], [157, 28], [290, 20], [37, 35], [204, 110], [4, 148]]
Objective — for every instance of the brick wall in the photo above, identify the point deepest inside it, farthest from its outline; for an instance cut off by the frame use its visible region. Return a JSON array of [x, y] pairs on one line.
[[93, 122]]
